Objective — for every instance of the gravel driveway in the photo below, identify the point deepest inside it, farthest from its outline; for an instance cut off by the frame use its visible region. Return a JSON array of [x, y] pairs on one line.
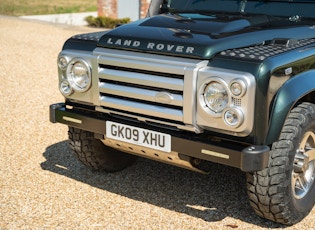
[[42, 186]]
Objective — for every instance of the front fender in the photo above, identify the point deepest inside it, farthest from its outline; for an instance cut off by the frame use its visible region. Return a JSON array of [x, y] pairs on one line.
[[288, 95]]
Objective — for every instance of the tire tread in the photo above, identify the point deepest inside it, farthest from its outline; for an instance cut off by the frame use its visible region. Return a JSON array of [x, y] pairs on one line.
[[94, 154], [267, 189]]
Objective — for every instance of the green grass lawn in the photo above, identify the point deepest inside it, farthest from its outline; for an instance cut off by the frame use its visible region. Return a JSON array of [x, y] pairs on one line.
[[36, 7]]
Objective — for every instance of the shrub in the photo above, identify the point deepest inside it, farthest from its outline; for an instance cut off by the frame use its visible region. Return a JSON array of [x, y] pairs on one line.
[[105, 22]]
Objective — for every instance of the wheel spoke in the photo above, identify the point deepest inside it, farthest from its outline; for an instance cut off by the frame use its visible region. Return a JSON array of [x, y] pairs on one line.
[[304, 139], [303, 185], [313, 139], [299, 184], [309, 137], [294, 179], [311, 154], [308, 145]]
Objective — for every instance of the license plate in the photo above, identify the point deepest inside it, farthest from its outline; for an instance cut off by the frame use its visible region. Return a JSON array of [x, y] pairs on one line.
[[138, 136]]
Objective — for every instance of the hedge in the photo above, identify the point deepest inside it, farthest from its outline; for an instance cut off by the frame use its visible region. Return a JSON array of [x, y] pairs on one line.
[[105, 22]]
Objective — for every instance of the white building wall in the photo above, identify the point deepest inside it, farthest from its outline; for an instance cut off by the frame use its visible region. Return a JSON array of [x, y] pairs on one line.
[[128, 9]]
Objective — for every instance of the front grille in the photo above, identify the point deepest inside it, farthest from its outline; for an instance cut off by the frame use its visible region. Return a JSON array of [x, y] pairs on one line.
[[134, 91], [146, 87]]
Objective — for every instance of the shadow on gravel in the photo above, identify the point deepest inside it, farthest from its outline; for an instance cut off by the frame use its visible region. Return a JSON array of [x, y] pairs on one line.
[[209, 197]]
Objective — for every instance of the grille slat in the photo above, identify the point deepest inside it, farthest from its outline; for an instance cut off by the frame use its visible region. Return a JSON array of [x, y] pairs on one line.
[[136, 93], [142, 79], [142, 108]]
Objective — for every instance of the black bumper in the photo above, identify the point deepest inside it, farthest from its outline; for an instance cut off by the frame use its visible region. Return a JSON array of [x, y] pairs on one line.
[[252, 158]]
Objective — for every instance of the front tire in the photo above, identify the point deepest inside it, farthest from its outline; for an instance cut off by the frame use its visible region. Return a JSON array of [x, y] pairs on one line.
[[94, 154], [284, 192]]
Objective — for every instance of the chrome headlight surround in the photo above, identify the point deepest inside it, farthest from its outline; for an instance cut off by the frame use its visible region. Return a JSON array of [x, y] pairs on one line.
[[75, 74], [230, 107], [65, 88], [63, 62], [233, 117], [214, 95], [79, 75], [238, 88]]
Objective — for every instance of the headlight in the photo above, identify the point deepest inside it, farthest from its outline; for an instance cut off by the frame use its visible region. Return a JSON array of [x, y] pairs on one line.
[[233, 117], [62, 62], [238, 88], [79, 75], [216, 96], [65, 88]]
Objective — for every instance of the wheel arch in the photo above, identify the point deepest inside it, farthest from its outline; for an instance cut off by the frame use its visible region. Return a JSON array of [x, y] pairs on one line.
[[298, 89]]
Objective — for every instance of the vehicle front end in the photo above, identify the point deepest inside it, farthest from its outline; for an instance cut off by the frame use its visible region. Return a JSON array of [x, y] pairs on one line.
[[200, 82]]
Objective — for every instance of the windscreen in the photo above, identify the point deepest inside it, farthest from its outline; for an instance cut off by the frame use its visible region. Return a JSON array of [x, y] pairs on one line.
[[286, 8]]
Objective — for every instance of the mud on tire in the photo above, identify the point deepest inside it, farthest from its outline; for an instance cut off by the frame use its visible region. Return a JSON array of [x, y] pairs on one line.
[[285, 191], [94, 154]]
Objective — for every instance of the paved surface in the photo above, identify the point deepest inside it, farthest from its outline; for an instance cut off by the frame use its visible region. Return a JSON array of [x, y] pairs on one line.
[[75, 19], [42, 186]]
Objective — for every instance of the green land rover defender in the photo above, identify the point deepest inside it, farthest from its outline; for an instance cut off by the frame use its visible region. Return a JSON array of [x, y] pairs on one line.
[[197, 82]]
